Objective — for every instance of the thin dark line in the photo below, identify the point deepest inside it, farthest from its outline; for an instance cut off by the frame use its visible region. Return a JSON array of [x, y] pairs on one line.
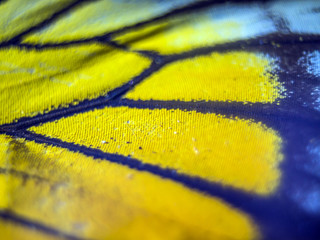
[[280, 23], [46, 22], [86, 105], [264, 40], [251, 204], [105, 36], [274, 41], [127, 161], [193, 182], [186, 9], [48, 46], [157, 64], [232, 109], [9, 216], [21, 174], [190, 7], [271, 42]]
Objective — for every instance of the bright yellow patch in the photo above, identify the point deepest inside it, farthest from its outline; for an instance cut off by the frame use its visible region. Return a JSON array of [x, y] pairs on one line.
[[12, 231], [234, 76], [20, 15], [233, 152], [37, 81], [97, 199]]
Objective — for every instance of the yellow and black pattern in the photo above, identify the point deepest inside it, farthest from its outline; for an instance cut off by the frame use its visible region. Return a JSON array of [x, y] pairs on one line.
[[159, 119]]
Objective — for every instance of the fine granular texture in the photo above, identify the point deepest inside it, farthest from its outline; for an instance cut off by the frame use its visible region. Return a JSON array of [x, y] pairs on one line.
[[152, 119]]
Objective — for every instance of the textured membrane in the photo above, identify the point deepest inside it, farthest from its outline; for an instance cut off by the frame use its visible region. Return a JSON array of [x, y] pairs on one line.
[[159, 120]]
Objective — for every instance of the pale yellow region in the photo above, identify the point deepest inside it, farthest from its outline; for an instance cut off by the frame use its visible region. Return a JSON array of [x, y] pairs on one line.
[[99, 17], [19, 15], [214, 25], [181, 34], [233, 76], [4, 197], [234, 152], [97, 199], [12, 231], [34, 81]]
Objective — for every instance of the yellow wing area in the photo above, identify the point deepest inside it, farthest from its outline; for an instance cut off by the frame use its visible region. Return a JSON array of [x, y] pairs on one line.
[[99, 17], [35, 81], [232, 76], [18, 16], [97, 199], [16, 231], [4, 199], [234, 152], [93, 198], [215, 25]]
